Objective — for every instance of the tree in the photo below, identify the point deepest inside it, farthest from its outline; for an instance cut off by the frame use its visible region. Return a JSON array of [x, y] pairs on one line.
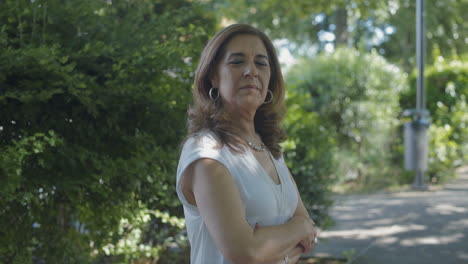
[[282, 19], [446, 23], [93, 97], [387, 26]]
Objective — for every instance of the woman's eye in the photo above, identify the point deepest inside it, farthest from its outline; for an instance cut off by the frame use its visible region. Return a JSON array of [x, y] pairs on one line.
[[237, 62]]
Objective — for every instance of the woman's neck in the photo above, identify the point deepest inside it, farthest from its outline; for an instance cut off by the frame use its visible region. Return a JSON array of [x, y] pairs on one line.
[[245, 129], [244, 125]]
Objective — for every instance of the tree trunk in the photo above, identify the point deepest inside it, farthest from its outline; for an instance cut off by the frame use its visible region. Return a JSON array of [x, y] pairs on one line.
[[341, 23]]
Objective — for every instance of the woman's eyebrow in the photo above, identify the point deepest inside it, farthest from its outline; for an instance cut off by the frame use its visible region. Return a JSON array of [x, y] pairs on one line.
[[234, 54], [240, 54]]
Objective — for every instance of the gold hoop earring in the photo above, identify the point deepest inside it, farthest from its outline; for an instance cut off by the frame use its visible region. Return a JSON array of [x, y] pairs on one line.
[[210, 94], [271, 99]]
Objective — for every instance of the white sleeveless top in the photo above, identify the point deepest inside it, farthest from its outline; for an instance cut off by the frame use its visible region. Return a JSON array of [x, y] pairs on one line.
[[265, 202]]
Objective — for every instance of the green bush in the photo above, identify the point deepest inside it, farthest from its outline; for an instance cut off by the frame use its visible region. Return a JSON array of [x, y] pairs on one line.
[[356, 97], [309, 155], [446, 89], [93, 97], [445, 85], [442, 153], [459, 119]]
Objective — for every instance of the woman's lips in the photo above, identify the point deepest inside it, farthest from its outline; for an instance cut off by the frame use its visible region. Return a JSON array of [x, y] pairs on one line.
[[249, 87]]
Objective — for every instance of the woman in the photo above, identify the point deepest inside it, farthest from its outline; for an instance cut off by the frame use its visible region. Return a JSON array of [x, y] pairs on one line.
[[240, 202]]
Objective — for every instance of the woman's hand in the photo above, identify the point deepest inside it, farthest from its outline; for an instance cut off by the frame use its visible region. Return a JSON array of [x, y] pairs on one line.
[[308, 243]]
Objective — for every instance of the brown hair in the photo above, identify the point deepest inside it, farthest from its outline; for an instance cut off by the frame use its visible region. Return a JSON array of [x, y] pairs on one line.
[[209, 114]]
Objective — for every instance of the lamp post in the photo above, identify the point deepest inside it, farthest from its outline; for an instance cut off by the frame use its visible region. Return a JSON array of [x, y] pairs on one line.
[[420, 52], [415, 131]]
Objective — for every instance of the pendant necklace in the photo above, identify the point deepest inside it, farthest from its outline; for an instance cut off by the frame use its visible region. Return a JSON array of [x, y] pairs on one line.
[[255, 147]]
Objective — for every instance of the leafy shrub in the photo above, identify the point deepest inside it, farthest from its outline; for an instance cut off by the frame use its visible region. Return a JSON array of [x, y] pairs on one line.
[[309, 155], [459, 119], [445, 85], [442, 153], [92, 94], [356, 97]]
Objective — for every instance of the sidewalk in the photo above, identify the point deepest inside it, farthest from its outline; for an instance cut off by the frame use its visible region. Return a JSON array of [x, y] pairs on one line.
[[407, 227]]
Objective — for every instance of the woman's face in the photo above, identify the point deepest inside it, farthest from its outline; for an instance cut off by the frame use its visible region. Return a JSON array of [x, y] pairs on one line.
[[243, 73]]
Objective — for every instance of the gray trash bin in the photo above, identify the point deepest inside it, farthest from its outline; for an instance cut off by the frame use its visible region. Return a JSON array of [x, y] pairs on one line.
[[415, 140]]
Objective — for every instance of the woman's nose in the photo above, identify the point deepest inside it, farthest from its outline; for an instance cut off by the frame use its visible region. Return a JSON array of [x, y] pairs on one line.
[[251, 70]]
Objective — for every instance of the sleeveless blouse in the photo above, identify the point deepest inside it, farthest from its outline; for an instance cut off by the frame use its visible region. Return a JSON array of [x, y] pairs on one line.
[[265, 202]]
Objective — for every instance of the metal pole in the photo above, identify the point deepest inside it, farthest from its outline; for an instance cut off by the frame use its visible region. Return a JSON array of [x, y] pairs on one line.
[[420, 100]]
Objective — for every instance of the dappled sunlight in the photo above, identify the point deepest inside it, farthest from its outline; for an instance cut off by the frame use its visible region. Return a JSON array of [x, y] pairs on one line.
[[378, 201], [344, 208], [375, 211], [462, 255], [352, 215], [370, 203], [394, 202], [387, 240], [372, 232], [349, 216], [431, 225], [414, 194], [446, 209], [431, 240], [456, 225], [392, 221], [379, 222]]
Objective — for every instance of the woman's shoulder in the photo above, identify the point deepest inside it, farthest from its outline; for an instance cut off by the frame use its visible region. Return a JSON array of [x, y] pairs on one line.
[[202, 144], [205, 139]]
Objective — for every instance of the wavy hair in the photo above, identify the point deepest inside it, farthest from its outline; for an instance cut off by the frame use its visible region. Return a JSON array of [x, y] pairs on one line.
[[209, 114]]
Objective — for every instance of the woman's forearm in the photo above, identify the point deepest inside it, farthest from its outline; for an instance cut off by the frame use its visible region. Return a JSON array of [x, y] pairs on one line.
[[273, 243]]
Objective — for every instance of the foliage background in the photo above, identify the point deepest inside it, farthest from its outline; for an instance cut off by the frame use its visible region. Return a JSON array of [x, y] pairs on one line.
[[93, 96], [358, 106]]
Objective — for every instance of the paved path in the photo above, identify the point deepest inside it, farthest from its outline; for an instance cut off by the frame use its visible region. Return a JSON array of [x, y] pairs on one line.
[[405, 227]]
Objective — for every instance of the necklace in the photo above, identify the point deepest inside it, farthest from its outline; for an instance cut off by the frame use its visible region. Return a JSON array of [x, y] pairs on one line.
[[260, 147]]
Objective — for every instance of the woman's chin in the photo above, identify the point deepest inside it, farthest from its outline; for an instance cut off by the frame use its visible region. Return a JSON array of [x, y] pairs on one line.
[[252, 103]]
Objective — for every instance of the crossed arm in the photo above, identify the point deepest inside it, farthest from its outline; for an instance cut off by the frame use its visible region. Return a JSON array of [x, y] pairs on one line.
[[293, 255], [220, 206]]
